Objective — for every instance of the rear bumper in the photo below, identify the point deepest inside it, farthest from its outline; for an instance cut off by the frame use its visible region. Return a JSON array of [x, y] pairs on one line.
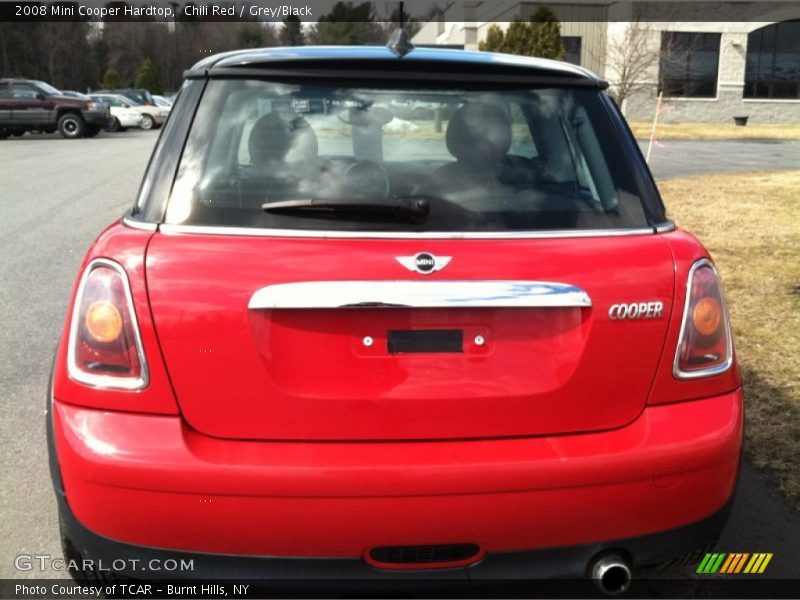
[[150, 481], [552, 563]]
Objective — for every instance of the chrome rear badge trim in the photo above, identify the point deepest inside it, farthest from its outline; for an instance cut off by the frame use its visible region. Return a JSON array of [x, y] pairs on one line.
[[424, 262], [419, 294]]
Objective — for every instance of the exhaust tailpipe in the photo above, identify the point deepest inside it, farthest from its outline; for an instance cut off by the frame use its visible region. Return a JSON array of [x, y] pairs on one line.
[[611, 574]]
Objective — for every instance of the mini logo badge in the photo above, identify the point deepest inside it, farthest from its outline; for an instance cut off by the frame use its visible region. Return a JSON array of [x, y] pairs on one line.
[[424, 262]]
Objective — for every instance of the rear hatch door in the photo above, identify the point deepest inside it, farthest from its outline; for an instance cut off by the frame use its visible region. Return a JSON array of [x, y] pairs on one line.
[[422, 356]]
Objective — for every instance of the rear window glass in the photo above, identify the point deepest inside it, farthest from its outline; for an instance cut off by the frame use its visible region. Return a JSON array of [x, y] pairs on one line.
[[324, 157]]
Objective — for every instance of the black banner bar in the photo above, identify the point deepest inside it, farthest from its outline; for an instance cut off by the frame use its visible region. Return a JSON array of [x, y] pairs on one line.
[[275, 11]]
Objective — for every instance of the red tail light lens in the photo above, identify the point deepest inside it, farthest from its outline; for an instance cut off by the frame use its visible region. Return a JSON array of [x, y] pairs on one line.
[[105, 349], [705, 345]]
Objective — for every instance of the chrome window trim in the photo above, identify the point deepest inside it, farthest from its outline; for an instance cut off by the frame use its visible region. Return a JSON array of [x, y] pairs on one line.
[[422, 235], [666, 227], [716, 369], [105, 381], [134, 224], [419, 294]]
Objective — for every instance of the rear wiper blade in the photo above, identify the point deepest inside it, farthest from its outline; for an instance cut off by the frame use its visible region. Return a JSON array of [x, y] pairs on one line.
[[413, 208]]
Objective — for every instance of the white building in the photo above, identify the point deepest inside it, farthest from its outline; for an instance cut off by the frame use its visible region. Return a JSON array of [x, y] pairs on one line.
[[746, 65]]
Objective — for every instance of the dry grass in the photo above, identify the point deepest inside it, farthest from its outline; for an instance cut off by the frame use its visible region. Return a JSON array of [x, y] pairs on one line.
[[751, 224], [715, 131]]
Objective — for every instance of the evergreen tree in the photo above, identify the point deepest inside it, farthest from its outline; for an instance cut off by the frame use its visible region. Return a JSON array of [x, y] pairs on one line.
[[519, 38], [541, 36], [494, 40], [111, 79], [546, 34], [250, 35], [292, 32], [147, 77], [348, 24]]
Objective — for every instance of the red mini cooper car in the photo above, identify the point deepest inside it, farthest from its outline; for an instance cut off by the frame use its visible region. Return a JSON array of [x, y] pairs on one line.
[[378, 310]]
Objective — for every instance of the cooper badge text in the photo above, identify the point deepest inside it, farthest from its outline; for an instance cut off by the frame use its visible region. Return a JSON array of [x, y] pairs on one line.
[[636, 310]]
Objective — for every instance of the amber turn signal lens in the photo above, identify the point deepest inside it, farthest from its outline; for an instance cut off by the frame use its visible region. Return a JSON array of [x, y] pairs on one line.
[[103, 322], [707, 316]]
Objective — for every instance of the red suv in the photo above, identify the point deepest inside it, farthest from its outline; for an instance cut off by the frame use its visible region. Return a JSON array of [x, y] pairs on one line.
[[377, 311]]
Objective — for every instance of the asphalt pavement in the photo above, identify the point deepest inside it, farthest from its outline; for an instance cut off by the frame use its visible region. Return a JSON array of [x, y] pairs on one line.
[[56, 195], [679, 158]]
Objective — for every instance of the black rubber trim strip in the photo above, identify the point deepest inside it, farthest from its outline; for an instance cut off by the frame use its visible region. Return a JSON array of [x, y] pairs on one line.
[[52, 456], [465, 79]]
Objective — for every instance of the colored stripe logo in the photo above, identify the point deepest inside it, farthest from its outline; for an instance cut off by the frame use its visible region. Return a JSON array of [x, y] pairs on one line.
[[734, 563]]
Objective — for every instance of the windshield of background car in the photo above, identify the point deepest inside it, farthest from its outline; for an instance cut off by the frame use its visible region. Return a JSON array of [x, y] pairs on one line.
[[537, 159], [47, 88]]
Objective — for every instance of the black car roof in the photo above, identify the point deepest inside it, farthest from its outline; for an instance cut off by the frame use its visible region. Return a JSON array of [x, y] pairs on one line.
[[419, 60]]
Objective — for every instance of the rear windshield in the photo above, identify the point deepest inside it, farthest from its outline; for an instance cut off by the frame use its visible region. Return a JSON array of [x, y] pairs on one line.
[[329, 157]]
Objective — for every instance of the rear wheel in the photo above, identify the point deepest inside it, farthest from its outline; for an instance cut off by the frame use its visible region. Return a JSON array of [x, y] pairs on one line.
[[18, 133], [3, 134], [148, 122], [71, 126]]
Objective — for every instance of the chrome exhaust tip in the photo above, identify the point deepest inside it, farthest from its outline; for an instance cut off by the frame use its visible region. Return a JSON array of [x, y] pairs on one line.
[[611, 574]]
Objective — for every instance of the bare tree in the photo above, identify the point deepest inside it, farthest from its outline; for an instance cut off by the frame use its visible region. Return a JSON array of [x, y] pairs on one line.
[[630, 60], [643, 57]]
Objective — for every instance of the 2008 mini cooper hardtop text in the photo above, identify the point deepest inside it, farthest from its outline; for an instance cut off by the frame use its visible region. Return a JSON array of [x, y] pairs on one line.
[[378, 310]]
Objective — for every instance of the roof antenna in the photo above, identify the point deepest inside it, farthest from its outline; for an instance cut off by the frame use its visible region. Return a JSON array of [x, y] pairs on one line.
[[400, 42]]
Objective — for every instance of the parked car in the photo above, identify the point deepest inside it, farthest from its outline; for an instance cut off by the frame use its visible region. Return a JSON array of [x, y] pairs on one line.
[[138, 95], [151, 115], [163, 102], [123, 114], [312, 349], [29, 105]]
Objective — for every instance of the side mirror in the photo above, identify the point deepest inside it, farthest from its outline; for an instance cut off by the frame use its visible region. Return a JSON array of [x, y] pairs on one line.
[[124, 105], [40, 96]]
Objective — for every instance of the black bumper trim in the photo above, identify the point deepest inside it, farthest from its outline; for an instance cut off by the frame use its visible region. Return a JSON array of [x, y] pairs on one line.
[[568, 562]]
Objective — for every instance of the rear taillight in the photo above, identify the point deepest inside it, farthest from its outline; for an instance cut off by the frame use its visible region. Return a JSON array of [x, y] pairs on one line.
[[705, 345], [105, 349]]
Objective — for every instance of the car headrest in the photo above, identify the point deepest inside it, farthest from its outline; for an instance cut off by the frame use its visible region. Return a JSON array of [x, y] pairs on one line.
[[283, 137], [479, 132]]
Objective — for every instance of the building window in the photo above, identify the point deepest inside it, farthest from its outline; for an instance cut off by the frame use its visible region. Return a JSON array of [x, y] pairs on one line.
[[689, 64], [773, 62], [572, 49]]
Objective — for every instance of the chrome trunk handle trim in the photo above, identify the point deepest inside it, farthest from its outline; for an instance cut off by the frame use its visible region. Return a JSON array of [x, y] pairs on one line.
[[419, 294]]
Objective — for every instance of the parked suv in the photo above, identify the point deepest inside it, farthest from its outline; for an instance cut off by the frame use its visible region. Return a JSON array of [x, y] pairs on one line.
[[29, 105], [467, 347]]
